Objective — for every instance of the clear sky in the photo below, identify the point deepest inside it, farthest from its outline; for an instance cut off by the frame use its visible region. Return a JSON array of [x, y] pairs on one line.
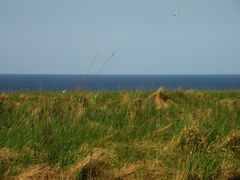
[[63, 36]]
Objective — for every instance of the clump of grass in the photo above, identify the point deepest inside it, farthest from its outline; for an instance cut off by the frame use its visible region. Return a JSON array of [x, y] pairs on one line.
[[162, 101], [120, 135]]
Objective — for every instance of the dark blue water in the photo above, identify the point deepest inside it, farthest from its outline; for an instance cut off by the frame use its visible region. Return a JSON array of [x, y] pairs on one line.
[[116, 82]]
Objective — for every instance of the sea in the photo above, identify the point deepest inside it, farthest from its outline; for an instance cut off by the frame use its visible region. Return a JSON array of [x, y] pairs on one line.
[[17, 82]]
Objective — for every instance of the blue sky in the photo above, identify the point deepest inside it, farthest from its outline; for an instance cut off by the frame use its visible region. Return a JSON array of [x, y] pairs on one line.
[[62, 37]]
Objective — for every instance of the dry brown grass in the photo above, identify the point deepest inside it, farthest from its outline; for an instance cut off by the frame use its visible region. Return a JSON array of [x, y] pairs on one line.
[[162, 101], [229, 174], [7, 153], [151, 169], [39, 172], [124, 99], [191, 138], [36, 112], [230, 101], [3, 97], [90, 165], [171, 145], [128, 171], [232, 140]]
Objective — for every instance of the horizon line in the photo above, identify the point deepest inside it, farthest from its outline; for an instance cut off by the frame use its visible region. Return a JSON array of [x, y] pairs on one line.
[[115, 74]]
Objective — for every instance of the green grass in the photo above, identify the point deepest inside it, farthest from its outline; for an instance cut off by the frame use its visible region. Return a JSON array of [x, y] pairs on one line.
[[120, 135]]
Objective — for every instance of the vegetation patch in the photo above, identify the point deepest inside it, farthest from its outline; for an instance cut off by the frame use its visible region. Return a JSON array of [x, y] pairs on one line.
[[165, 134]]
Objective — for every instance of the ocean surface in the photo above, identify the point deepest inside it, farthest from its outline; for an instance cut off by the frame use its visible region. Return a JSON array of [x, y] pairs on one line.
[[116, 82]]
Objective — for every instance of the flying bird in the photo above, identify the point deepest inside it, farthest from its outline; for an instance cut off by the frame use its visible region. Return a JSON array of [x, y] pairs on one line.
[[175, 13]]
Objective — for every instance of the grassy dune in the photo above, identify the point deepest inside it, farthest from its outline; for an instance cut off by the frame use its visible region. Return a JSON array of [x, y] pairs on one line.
[[120, 135]]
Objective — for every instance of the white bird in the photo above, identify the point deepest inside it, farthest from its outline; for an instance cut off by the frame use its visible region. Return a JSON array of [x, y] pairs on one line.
[[64, 91]]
